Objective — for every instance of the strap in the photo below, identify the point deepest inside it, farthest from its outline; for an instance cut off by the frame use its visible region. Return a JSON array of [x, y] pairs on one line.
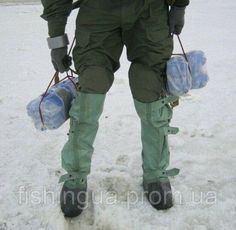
[[174, 104], [169, 172], [172, 172], [184, 53], [55, 78], [58, 42], [72, 176], [170, 130], [169, 99]]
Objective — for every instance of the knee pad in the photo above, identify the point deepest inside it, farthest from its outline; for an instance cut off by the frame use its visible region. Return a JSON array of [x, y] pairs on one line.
[[96, 80], [146, 84]]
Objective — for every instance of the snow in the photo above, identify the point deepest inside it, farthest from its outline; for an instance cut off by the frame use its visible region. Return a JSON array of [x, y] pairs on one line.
[[204, 150]]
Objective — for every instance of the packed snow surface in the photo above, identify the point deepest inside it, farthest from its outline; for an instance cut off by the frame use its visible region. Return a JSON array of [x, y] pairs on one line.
[[204, 150]]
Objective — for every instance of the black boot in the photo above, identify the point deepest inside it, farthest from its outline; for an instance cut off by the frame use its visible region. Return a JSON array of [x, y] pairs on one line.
[[159, 195], [72, 201]]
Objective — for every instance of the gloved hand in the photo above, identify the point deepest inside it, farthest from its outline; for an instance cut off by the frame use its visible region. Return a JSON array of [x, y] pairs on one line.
[[60, 60], [176, 19]]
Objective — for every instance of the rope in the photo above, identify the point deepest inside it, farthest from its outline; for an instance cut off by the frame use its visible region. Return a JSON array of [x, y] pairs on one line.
[[55, 76], [184, 53]]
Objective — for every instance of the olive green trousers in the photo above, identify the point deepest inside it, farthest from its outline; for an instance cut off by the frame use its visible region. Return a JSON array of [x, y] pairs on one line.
[[103, 28]]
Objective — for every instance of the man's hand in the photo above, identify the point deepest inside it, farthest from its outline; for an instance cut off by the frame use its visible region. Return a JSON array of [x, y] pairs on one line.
[[60, 60], [176, 19]]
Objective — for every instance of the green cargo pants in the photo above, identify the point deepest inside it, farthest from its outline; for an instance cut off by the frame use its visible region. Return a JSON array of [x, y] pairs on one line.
[[103, 27]]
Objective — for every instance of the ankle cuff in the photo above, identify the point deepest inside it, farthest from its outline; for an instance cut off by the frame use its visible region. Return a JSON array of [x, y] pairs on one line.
[[160, 175], [74, 180]]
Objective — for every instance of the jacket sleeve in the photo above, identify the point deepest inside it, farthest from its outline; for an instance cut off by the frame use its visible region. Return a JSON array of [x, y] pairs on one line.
[[56, 13], [181, 3]]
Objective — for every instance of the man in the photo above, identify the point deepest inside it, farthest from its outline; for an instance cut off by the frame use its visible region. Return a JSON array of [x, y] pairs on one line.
[[103, 27]]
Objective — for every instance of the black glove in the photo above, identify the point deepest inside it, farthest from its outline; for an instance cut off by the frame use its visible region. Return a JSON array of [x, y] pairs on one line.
[[176, 19], [60, 60]]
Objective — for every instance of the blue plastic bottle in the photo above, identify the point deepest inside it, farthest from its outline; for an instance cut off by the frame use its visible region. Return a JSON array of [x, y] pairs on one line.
[[54, 107], [197, 61], [179, 80], [179, 77]]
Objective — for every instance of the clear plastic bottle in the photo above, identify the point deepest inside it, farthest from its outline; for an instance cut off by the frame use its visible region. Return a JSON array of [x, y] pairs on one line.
[[179, 78], [54, 107], [197, 61]]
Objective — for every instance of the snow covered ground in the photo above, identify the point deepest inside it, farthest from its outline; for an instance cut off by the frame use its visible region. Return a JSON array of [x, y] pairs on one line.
[[11, 2], [204, 150]]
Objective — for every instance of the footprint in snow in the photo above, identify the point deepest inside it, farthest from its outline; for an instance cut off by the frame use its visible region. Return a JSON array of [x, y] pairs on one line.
[[122, 160]]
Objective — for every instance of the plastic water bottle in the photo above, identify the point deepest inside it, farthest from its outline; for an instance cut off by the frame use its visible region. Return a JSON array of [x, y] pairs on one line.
[[179, 78], [197, 62], [54, 107]]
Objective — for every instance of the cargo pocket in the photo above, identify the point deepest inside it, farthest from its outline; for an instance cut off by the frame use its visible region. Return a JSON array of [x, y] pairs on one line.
[[160, 43], [158, 33], [153, 35], [82, 37], [157, 26]]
